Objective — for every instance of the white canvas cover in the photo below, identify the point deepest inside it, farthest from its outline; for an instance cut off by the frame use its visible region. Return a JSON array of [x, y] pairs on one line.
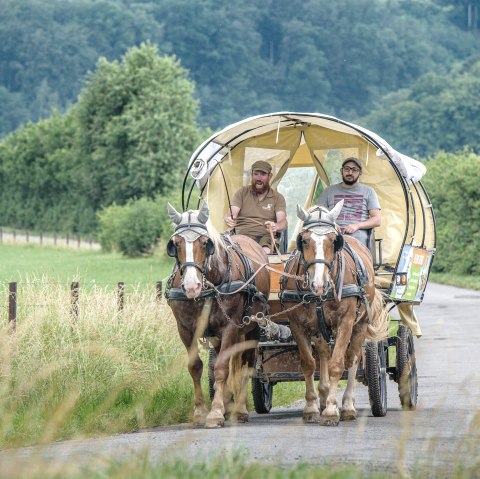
[[306, 151]]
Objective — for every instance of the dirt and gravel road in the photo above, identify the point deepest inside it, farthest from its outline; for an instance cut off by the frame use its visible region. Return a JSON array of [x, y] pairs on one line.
[[444, 430]]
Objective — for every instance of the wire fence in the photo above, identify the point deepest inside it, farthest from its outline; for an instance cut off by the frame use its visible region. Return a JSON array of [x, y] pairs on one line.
[[51, 239], [13, 294]]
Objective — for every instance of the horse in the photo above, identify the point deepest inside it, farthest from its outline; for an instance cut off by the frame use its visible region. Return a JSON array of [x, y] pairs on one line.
[[342, 309], [216, 283]]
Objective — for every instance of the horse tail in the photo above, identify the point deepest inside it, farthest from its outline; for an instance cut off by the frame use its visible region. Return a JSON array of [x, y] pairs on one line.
[[378, 324]]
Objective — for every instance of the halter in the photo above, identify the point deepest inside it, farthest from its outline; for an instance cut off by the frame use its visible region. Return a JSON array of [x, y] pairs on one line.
[[321, 228], [190, 232]]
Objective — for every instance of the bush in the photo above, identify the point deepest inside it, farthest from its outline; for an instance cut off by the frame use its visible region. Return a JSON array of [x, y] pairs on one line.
[[133, 229], [452, 184]]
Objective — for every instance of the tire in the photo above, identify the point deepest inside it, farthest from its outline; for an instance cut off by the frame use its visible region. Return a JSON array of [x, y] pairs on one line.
[[212, 356], [407, 377], [375, 369], [262, 396]]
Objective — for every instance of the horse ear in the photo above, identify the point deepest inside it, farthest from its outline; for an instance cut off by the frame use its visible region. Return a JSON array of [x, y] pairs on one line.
[[203, 213], [210, 247], [299, 243], [171, 249], [302, 214], [175, 216], [338, 243], [335, 211]]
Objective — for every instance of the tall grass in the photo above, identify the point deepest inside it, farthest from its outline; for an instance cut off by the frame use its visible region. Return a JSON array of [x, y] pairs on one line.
[[101, 373], [104, 371]]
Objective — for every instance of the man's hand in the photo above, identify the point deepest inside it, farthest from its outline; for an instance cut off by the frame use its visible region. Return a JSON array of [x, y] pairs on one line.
[[232, 222], [349, 229], [271, 226]]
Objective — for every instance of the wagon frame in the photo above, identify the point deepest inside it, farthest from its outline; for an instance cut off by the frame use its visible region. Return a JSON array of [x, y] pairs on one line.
[[307, 149]]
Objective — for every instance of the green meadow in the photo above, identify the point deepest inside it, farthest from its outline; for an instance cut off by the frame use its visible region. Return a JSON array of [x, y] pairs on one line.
[[102, 372], [105, 371]]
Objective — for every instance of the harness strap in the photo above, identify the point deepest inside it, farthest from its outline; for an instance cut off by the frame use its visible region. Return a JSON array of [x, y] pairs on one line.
[[177, 294]]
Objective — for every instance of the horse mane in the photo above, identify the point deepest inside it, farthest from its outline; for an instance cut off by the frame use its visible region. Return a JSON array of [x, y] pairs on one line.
[[217, 240]]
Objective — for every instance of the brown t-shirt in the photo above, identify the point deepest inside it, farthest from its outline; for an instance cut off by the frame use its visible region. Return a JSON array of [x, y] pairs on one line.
[[254, 213]]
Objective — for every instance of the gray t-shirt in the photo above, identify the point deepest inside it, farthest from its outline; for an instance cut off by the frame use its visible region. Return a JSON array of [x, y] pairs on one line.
[[358, 201]]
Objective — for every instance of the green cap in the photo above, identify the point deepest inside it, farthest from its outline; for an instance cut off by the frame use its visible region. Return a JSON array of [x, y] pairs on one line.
[[262, 166]]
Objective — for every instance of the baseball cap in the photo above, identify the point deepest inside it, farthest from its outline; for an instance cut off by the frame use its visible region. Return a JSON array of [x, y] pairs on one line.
[[352, 159], [262, 166]]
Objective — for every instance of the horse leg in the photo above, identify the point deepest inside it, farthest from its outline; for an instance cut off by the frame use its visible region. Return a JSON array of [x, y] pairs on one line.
[[349, 412], [311, 413], [324, 382], [195, 368], [216, 416], [331, 414]]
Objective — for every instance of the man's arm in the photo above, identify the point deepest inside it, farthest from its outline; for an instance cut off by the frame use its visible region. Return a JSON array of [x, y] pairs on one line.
[[231, 216], [372, 222], [280, 223]]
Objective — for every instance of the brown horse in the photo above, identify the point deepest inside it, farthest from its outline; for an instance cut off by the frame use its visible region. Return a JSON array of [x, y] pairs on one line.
[[342, 309], [216, 283]]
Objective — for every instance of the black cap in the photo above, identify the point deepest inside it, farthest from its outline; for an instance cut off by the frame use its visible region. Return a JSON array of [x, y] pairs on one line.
[[352, 159]]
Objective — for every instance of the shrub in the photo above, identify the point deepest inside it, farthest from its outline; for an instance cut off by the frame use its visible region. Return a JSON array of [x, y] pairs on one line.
[[133, 229], [452, 184]]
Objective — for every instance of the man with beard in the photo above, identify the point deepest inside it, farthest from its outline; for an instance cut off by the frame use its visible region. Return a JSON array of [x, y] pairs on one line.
[[361, 213], [257, 209], [361, 209]]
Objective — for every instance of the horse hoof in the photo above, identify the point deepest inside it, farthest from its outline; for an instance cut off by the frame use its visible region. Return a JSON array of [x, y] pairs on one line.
[[214, 421], [242, 417], [329, 420], [199, 419], [311, 418], [348, 415]]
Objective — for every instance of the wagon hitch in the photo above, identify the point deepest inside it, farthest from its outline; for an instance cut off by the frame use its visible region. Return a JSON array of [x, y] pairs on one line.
[[273, 331]]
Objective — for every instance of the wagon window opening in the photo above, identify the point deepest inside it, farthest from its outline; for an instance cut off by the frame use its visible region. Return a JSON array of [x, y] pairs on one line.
[[297, 186]]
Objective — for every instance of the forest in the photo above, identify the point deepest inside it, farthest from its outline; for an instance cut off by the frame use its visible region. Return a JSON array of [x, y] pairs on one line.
[[99, 96]]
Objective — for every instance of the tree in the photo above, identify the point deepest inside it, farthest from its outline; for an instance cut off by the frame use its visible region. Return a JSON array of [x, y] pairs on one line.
[[135, 127], [452, 184], [436, 113]]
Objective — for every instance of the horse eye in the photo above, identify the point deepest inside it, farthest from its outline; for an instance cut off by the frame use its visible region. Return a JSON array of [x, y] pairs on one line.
[[305, 241]]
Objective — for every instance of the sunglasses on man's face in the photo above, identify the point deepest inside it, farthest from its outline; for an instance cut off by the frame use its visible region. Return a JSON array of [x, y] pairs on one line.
[[348, 169]]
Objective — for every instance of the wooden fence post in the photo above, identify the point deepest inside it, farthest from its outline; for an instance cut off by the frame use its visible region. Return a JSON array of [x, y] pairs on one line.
[[159, 291], [120, 295], [74, 292], [12, 306]]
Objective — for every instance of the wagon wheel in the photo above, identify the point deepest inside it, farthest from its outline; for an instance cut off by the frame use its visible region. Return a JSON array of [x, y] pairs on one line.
[[375, 368], [406, 368], [212, 356], [262, 393]]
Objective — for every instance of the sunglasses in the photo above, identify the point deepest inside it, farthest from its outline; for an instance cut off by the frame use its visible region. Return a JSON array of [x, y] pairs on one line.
[[348, 169]]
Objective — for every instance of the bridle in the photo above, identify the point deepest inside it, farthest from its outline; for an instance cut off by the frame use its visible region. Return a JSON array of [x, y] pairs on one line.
[[190, 232], [321, 228]]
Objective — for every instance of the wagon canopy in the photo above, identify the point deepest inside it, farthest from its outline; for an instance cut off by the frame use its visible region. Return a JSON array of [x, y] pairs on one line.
[[306, 151]]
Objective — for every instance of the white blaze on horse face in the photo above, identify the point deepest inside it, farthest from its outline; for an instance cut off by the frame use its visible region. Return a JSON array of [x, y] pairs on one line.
[[317, 281], [191, 279]]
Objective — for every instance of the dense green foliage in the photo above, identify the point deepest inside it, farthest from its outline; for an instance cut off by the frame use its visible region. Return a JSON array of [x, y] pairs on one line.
[[438, 112], [246, 57], [129, 136], [135, 228], [452, 182]]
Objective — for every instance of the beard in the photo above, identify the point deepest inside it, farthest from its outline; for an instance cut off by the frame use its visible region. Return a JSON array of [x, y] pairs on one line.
[[260, 187], [349, 181]]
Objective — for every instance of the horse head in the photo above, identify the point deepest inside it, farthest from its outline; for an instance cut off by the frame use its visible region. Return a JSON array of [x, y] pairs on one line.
[[318, 242], [191, 246]]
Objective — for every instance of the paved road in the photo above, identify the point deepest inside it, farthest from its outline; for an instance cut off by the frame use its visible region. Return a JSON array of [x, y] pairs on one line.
[[443, 431]]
